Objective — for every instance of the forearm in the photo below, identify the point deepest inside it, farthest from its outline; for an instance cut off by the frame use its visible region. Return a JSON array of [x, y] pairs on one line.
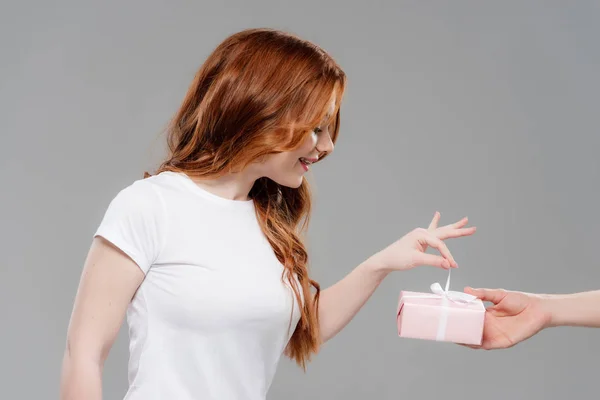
[[578, 309], [339, 303], [80, 380]]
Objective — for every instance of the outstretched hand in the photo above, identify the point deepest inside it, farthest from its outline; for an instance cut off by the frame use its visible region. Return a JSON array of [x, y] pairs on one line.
[[513, 317], [409, 251]]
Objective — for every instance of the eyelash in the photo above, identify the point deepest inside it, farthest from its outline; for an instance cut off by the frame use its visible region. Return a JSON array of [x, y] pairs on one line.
[[317, 130]]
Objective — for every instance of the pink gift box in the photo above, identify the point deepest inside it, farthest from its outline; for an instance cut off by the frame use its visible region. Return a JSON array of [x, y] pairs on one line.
[[433, 317]]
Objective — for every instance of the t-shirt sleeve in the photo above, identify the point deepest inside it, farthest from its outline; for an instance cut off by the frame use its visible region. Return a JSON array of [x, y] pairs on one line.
[[135, 223]]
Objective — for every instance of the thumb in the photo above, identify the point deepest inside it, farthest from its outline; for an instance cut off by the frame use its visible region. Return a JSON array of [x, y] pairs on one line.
[[492, 295]]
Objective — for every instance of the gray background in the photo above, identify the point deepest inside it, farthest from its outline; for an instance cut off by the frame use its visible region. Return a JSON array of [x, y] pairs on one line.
[[483, 108]]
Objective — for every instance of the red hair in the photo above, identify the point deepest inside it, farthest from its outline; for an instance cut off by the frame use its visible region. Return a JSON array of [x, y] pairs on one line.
[[260, 92]]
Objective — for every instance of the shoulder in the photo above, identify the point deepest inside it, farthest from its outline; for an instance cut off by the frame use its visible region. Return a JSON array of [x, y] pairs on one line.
[[138, 206], [135, 221], [142, 194]]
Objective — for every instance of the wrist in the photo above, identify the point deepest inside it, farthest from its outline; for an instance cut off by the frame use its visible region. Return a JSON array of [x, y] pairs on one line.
[[373, 266], [551, 304]]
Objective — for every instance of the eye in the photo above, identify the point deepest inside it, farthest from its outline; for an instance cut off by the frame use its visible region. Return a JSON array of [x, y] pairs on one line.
[[317, 130]]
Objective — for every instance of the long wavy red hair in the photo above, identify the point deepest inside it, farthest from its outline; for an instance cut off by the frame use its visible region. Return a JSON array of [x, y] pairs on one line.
[[262, 91]]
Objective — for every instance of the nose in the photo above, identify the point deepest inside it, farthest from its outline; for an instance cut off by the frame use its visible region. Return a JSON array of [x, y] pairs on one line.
[[325, 144]]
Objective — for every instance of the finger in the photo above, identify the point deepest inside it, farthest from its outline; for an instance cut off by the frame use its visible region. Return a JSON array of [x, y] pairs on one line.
[[433, 226], [436, 243], [434, 222], [455, 229], [450, 233], [492, 295], [456, 225], [460, 224], [471, 346], [432, 260]]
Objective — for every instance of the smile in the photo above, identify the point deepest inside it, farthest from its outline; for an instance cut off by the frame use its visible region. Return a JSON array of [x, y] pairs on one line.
[[307, 162]]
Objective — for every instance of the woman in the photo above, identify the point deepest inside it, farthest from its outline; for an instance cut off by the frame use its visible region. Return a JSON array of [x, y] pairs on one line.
[[205, 257]]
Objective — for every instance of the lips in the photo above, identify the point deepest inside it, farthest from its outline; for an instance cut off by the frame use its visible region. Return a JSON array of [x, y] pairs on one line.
[[307, 162]]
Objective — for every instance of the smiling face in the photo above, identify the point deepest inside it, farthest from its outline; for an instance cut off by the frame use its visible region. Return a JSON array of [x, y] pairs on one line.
[[288, 168]]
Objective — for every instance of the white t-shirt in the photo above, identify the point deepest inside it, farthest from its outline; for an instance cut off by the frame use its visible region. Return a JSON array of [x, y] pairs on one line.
[[212, 317]]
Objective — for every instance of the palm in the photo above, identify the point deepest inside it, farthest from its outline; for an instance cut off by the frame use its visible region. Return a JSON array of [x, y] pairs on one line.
[[515, 318]]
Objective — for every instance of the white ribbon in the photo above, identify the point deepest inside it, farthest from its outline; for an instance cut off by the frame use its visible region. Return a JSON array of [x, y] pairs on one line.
[[457, 297], [446, 295]]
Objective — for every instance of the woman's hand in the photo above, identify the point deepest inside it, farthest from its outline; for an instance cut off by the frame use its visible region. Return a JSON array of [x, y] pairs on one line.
[[409, 251], [339, 303]]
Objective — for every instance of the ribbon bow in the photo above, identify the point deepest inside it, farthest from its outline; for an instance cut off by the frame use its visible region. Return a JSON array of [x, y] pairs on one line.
[[457, 297]]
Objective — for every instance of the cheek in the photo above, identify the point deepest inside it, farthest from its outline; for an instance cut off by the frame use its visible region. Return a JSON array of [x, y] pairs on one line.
[[305, 149], [308, 145], [282, 162]]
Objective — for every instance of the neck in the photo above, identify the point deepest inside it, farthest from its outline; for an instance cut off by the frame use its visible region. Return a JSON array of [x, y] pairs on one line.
[[232, 186]]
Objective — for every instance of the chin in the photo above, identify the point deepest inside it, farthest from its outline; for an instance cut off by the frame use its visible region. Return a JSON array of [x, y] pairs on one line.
[[297, 184], [291, 182]]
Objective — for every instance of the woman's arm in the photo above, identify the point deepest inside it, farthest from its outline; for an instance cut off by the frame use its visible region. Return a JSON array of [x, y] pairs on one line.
[[108, 282], [339, 303]]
